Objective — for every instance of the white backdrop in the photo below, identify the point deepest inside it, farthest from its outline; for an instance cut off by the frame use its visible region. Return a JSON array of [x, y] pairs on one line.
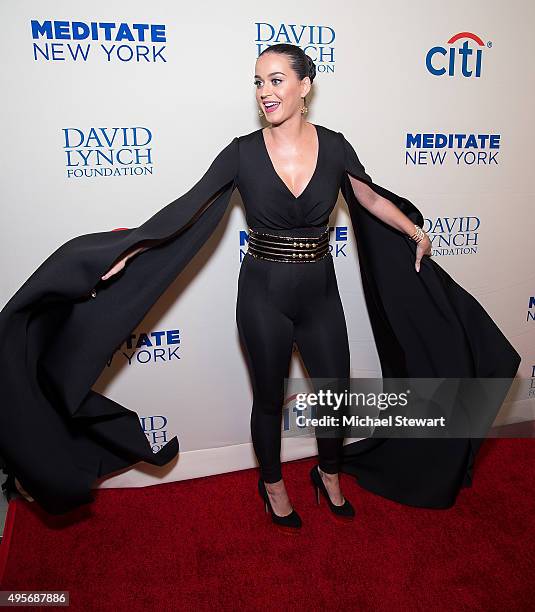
[[179, 93]]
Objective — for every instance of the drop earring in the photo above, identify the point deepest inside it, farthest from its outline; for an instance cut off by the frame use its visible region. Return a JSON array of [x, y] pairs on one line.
[[260, 112]]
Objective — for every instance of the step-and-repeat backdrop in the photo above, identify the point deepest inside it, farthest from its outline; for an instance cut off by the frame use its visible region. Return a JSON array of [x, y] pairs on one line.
[[111, 111]]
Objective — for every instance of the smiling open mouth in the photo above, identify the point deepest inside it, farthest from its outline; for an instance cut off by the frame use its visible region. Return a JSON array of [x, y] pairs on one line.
[[271, 106]]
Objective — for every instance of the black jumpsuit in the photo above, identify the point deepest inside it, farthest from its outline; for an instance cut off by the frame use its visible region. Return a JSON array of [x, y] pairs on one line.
[[282, 302]]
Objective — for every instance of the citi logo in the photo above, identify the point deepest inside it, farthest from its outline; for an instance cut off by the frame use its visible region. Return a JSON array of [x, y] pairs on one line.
[[466, 58]]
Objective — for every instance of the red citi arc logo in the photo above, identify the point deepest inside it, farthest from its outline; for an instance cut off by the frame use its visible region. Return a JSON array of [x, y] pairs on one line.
[[465, 60]]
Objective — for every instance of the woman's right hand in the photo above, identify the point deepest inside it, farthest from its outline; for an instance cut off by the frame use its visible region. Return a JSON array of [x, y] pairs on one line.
[[116, 268], [122, 262]]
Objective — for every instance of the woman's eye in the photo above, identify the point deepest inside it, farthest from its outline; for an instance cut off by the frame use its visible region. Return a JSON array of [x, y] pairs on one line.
[[257, 83]]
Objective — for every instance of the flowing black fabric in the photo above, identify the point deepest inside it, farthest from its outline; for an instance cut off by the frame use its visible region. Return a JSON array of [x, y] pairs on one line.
[[57, 435], [425, 325]]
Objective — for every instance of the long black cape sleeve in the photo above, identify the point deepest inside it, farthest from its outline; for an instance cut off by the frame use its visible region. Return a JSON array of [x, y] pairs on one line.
[[57, 435], [425, 325]]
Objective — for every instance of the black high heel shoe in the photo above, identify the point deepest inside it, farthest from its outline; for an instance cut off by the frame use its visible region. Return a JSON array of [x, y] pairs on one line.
[[292, 520], [345, 511]]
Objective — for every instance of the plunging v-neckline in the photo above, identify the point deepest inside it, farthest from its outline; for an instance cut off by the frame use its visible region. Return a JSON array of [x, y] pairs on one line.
[[264, 146]]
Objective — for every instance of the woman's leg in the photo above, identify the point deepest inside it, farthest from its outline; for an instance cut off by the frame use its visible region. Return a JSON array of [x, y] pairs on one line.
[[266, 332], [321, 336]]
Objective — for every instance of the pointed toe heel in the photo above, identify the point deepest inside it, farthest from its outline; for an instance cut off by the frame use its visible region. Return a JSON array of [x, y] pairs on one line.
[[345, 511], [290, 523]]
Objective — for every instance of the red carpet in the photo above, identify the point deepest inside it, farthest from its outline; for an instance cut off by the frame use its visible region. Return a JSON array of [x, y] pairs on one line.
[[205, 544]]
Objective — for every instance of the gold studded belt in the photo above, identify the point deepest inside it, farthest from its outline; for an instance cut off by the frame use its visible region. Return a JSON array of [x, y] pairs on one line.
[[288, 248]]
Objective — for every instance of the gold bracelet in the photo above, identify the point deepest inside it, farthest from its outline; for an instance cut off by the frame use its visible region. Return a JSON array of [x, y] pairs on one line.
[[418, 235]]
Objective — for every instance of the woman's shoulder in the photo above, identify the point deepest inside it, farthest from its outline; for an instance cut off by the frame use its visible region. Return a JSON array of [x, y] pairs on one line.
[[326, 130], [249, 137], [334, 137]]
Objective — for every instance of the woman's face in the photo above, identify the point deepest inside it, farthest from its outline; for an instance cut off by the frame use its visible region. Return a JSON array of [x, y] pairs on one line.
[[276, 81]]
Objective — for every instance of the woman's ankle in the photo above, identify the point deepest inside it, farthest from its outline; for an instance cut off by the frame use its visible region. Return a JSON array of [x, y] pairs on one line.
[[274, 485], [333, 476]]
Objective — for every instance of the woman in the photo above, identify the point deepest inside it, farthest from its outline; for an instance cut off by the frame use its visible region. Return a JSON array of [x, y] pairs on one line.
[[279, 302], [289, 176]]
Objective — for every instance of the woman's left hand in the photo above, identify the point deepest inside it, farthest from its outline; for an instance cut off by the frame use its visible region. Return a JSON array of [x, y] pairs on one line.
[[422, 248]]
